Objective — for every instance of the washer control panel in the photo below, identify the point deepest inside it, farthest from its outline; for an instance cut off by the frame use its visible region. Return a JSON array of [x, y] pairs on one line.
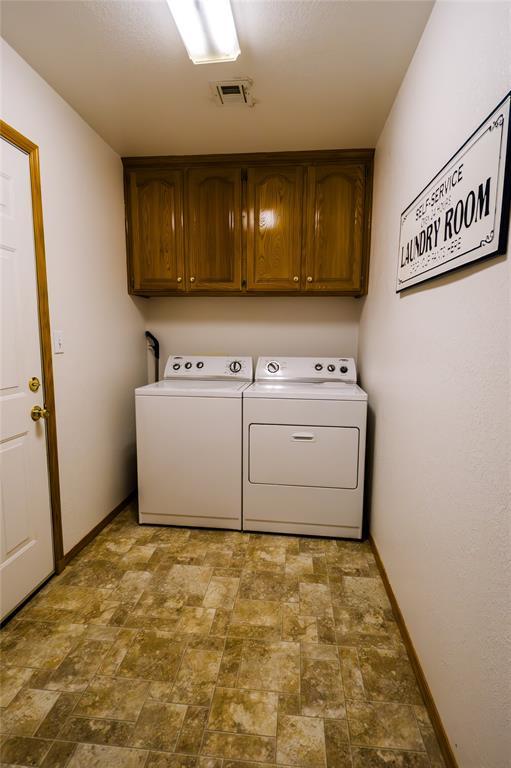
[[306, 369], [215, 367]]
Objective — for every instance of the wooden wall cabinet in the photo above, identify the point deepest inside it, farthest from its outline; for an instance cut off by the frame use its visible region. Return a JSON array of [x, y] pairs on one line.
[[213, 229], [267, 224], [274, 228], [155, 249], [335, 228]]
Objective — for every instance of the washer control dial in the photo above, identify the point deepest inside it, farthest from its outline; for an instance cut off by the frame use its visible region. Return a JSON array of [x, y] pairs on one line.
[[343, 369], [235, 366], [273, 367], [331, 368], [188, 366], [318, 367], [200, 364], [176, 366]]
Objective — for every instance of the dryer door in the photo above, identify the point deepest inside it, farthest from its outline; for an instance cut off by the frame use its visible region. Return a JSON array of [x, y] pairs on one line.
[[324, 457]]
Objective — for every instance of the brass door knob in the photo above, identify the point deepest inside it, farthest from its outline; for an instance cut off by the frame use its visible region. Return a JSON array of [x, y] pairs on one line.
[[179, 279], [192, 279], [309, 279], [39, 413], [296, 278]]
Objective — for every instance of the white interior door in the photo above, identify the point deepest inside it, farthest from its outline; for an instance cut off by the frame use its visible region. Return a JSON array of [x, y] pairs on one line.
[[26, 546]]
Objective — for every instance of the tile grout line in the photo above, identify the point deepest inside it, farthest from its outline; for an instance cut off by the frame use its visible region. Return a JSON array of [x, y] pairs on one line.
[[421, 734], [327, 565], [301, 659], [219, 668]]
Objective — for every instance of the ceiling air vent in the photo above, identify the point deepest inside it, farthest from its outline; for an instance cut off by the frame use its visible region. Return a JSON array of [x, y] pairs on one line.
[[233, 92]]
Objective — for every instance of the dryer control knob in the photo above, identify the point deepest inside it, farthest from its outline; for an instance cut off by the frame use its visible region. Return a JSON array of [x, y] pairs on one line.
[[331, 368], [188, 366], [200, 364], [235, 366], [176, 366], [273, 367], [318, 367], [343, 369]]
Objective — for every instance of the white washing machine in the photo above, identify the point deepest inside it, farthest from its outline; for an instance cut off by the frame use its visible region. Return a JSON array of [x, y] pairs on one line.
[[189, 442], [304, 436]]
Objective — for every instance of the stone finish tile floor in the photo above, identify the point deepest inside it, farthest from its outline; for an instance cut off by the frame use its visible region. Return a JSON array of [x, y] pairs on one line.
[[188, 648]]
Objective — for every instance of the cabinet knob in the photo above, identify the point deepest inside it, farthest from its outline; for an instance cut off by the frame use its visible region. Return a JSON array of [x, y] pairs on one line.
[[192, 279], [179, 279], [309, 279], [296, 278]]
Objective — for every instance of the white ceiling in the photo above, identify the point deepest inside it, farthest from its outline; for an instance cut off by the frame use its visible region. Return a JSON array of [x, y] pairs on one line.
[[325, 72]]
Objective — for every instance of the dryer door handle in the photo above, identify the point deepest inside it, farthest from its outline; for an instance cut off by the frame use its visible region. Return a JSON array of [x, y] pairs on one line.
[[303, 436]]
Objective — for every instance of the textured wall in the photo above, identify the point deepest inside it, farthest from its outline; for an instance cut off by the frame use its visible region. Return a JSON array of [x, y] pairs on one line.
[[435, 362], [81, 179], [254, 325]]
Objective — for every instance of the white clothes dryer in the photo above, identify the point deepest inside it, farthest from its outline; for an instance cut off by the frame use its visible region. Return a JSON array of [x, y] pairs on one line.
[[189, 442], [304, 436]]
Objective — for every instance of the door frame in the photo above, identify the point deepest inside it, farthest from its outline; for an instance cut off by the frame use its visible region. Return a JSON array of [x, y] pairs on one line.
[[32, 150]]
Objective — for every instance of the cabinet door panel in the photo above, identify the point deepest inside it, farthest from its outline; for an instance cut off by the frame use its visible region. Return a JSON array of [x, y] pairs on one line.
[[156, 213], [214, 229], [274, 234], [335, 228]]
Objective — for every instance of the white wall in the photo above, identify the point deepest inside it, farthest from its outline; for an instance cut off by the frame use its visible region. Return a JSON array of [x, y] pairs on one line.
[[254, 325], [435, 361], [104, 358]]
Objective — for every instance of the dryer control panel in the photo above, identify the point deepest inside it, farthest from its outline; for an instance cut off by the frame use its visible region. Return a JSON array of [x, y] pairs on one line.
[[306, 369], [209, 368]]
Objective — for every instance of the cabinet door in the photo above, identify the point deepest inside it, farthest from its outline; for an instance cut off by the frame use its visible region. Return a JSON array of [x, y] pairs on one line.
[[213, 226], [274, 232], [156, 233], [335, 228]]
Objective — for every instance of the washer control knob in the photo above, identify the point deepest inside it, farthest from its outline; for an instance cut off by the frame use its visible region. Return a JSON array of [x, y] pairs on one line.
[[331, 368], [235, 366], [344, 369], [273, 367], [200, 364], [176, 366], [318, 367], [188, 366]]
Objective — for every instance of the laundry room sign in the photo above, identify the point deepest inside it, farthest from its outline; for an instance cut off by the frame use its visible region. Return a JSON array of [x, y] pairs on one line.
[[462, 215]]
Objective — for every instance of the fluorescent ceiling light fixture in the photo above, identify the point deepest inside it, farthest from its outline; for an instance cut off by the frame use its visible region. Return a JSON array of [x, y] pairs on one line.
[[207, 28]]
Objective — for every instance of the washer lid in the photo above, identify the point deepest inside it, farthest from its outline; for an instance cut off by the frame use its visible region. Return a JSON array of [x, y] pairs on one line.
[[307, 390], [192, 388]]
